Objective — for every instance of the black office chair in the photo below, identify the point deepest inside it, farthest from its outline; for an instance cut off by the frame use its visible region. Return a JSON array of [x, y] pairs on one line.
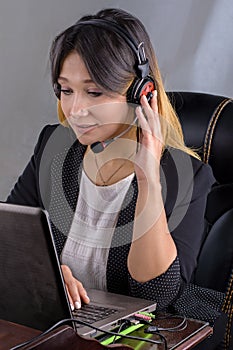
[[207, 122]]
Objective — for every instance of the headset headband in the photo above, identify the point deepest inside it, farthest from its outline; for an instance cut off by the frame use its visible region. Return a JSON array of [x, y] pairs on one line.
[[143, 84], [142, 68]]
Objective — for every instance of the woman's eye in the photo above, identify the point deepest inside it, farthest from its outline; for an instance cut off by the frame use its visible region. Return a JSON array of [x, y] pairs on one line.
[[66, 91], [95, 93]]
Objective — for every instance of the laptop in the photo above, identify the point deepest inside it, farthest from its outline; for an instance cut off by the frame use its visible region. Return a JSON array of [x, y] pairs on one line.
[[32, 289]]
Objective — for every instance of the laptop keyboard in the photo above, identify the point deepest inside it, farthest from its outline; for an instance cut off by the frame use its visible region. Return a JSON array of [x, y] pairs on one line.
[[92, 313]]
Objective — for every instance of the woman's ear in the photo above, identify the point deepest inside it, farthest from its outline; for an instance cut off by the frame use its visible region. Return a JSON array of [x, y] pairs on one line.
[[61, 115]]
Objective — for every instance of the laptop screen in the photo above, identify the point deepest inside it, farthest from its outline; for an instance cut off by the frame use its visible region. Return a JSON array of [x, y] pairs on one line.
[[32, 290]]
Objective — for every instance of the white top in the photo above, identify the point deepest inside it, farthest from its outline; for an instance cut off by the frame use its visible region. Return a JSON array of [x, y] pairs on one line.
[[87, 245]]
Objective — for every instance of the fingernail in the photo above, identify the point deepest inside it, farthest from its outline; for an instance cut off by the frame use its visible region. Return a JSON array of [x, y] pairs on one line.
[[139, 109], [72, 307], [155, 93], [87, 297], [77, 305]]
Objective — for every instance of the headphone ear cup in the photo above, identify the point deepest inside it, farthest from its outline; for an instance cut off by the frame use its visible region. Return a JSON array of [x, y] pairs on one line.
[[140, 87]]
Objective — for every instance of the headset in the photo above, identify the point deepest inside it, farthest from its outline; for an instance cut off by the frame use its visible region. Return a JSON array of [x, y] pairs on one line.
[[143, 84]]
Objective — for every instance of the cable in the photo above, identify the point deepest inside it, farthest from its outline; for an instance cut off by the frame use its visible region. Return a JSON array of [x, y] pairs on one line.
[[156, 330], [160, 335], [119, 330], [180, 327], [129, 330], [68, 320]]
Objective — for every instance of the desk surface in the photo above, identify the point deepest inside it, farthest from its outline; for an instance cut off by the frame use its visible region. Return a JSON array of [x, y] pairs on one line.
[[185, 339], [196, 331]]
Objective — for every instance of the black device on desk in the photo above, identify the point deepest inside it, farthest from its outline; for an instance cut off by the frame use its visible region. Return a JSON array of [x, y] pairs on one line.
[[32, 289]]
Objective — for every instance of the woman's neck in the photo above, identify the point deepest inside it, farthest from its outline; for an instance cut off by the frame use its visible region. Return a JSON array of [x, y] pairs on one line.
[[114, 163]]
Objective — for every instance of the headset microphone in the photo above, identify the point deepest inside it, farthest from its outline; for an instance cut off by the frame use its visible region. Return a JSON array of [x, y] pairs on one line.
[[98, 147]]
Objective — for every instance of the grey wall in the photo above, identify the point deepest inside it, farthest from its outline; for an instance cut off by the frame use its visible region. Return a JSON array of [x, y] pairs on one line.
[[192, 38]]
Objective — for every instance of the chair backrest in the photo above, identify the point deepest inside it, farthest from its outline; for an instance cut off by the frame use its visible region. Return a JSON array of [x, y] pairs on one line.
[[207, 122]]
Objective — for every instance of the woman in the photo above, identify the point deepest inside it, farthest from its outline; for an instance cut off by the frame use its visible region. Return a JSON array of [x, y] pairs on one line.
[[125, 196]]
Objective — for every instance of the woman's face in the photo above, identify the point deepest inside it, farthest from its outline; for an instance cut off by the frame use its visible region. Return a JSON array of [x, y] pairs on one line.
[[91, 113]]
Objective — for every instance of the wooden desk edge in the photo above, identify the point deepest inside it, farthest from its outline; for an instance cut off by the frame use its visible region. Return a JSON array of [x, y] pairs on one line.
[[195, 339]]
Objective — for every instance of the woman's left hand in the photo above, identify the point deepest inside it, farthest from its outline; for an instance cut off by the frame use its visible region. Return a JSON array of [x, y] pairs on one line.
[[147, 160], [152, 249]]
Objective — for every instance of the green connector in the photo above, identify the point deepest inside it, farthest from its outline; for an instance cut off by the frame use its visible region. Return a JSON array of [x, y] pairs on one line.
[[146, 314], [126, 331]]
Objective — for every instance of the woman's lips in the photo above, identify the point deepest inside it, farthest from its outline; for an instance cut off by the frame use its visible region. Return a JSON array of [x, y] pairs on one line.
[[84, 128]]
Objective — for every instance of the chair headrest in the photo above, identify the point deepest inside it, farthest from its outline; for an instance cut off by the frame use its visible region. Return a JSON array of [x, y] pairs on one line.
[[207, 122]]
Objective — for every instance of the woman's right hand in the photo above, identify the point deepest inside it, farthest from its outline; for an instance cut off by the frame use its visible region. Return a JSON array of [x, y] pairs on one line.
[[76, 291]]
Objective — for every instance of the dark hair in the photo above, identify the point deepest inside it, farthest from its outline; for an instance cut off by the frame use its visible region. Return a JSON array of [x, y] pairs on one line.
[[111, 64], [108, 58]]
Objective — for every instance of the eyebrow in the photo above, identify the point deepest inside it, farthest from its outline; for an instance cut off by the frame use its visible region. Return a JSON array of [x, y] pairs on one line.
[[67, 80]]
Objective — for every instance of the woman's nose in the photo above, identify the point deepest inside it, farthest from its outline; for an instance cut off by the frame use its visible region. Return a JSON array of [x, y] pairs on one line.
[[78, 107]]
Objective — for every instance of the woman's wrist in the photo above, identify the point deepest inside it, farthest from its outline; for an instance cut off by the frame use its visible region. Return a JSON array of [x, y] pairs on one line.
[[147, 187]]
